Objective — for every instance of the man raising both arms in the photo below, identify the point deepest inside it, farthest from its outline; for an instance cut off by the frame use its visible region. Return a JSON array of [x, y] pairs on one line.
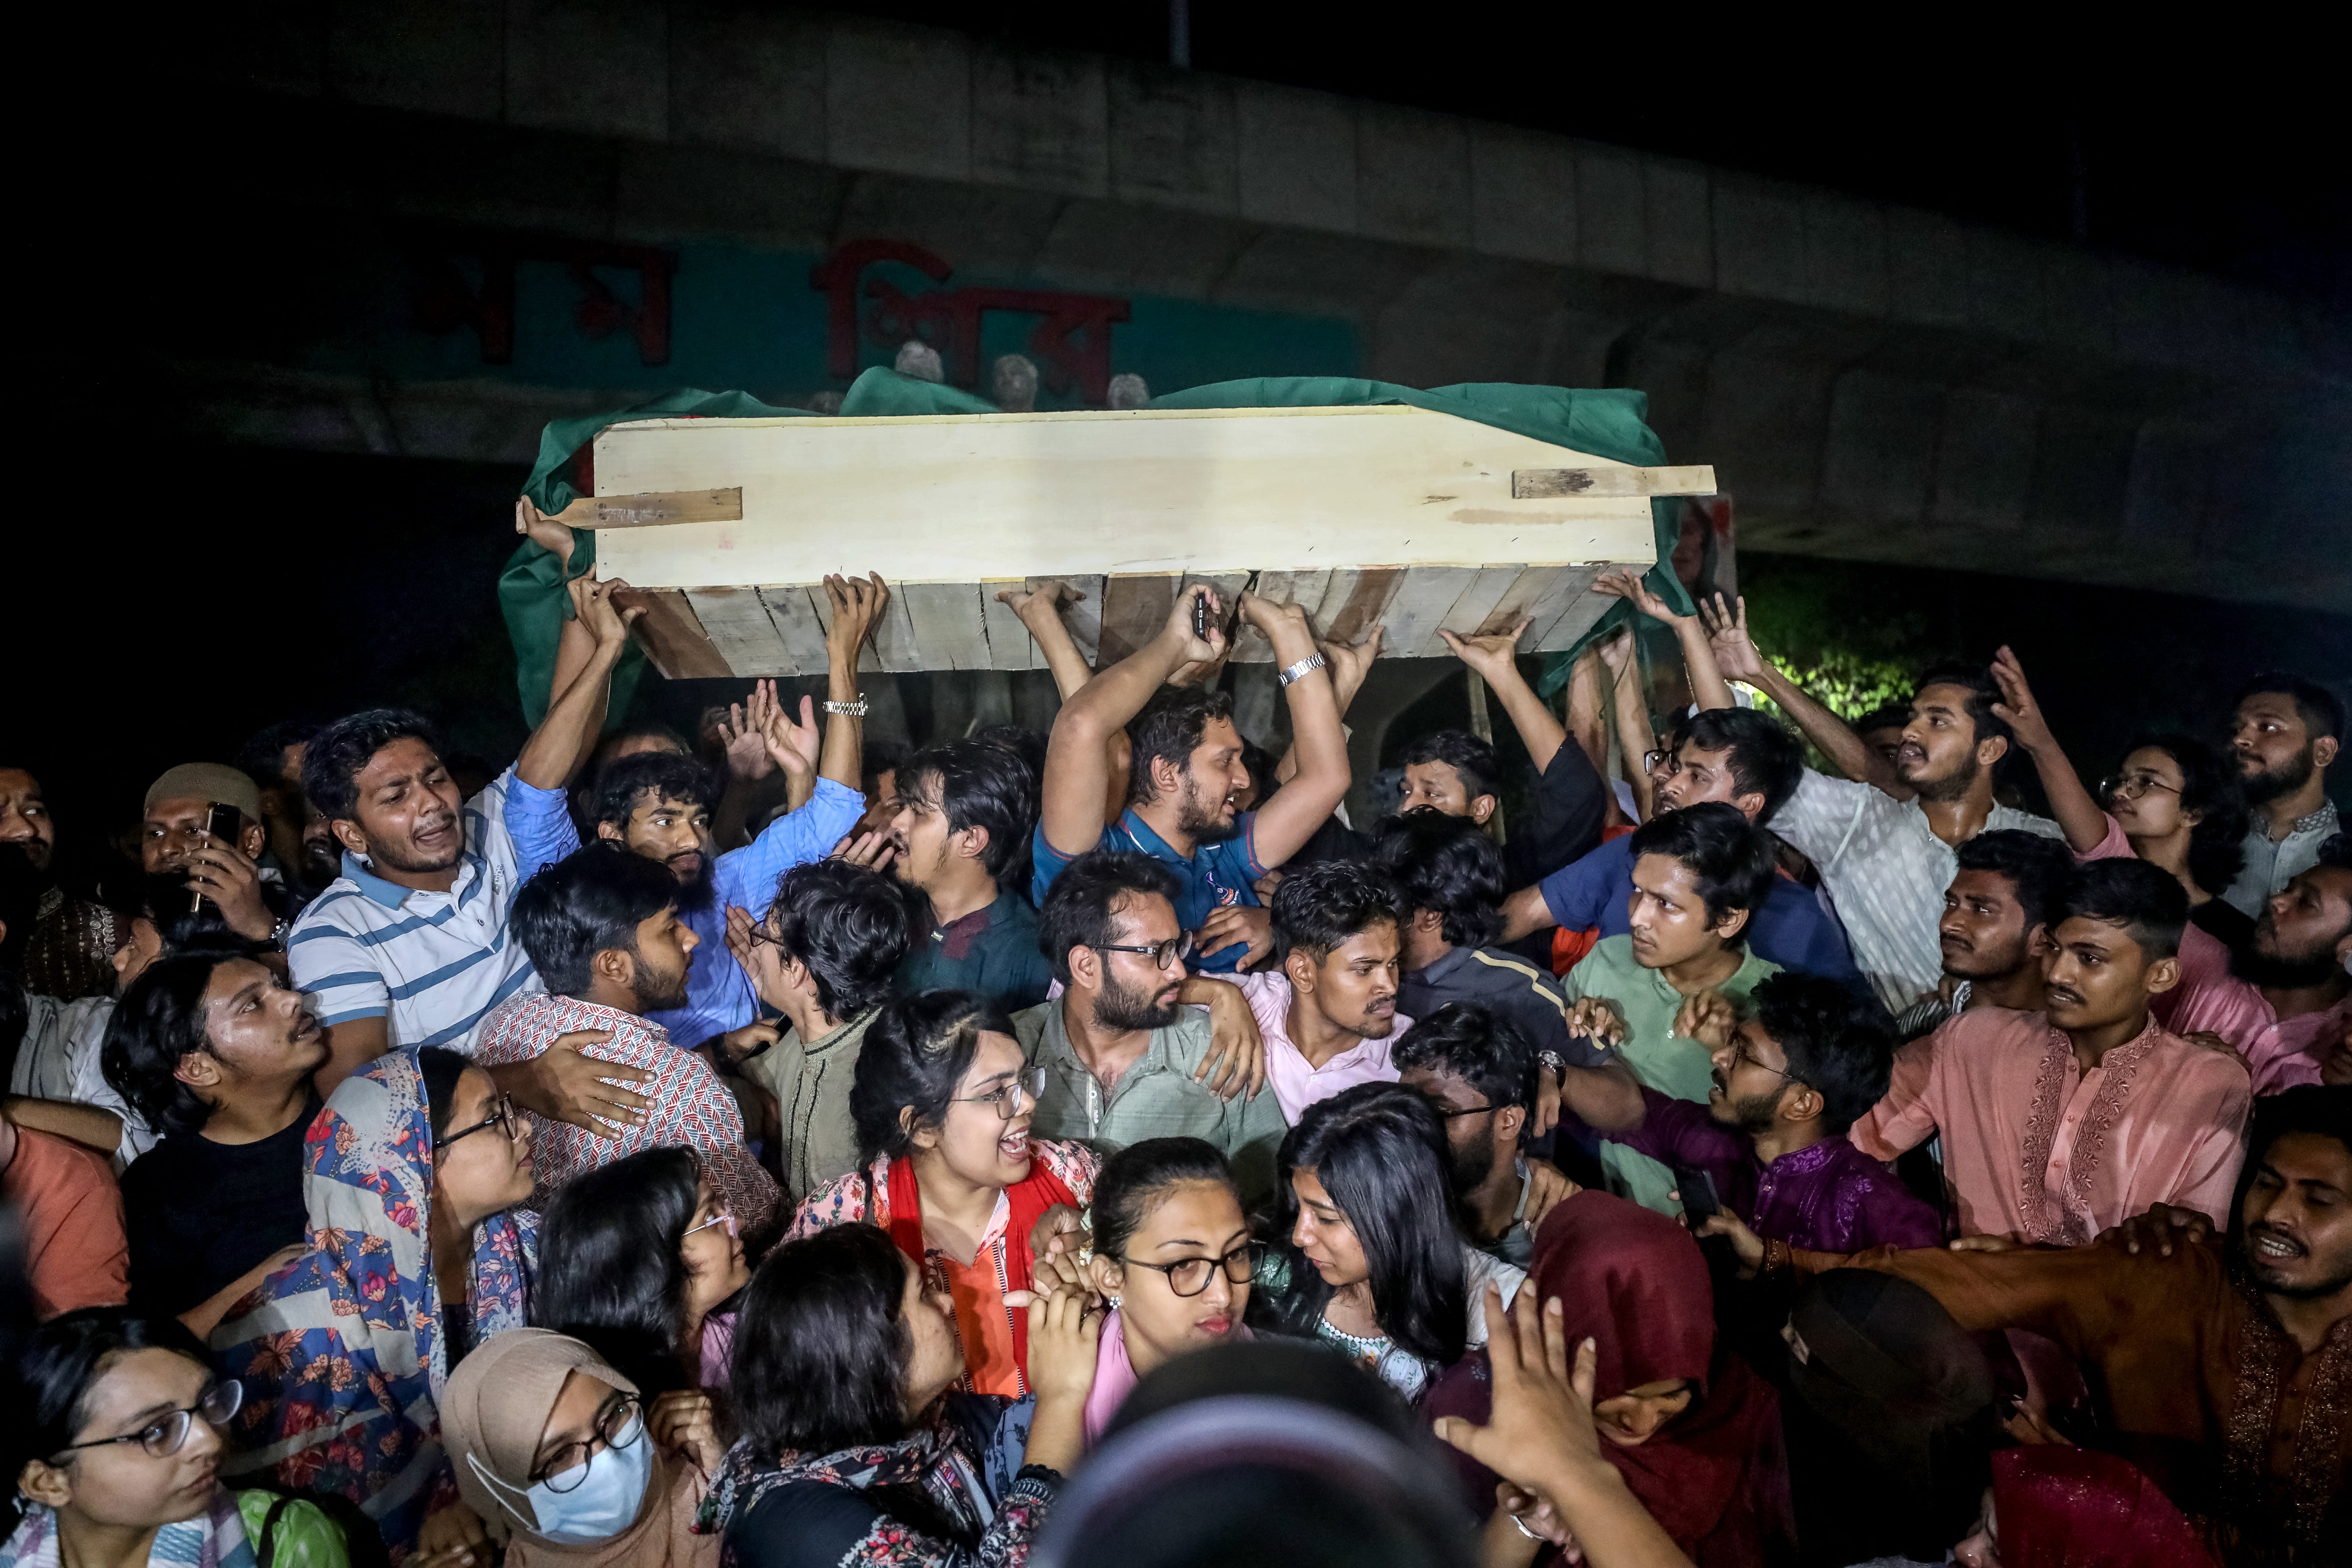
[[1887, 861], [1186, 767]]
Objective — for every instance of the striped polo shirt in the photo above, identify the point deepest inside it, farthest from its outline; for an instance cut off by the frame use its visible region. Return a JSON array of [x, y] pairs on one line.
[[436, 963]]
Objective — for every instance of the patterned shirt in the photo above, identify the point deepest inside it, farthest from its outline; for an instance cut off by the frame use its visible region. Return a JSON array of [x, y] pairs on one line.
[[1887, 872], [983, 1328], [691, 1109], [717, 992], [432, 963], [1157, 1097], [2037, 1150], [2271, 864], [1829, 1197]]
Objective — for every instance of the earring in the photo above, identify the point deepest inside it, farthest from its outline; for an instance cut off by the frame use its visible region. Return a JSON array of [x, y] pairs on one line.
[[1112, 1301]]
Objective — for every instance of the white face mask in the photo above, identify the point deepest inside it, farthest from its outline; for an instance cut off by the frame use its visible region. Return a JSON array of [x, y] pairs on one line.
[[603, 1503]]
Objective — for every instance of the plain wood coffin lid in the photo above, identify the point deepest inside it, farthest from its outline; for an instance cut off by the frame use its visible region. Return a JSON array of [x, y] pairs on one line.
[[1386, 513]]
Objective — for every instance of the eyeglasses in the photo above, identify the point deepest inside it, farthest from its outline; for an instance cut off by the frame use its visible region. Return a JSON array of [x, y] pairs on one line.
[[2131, 786], [618, 1424], [1449, 1112], [1190, 1276], [721, 1217], [160, 1439], [1739, 1053], [1163, 954], [1661, 761], [1021, 1091], [504, 1119]]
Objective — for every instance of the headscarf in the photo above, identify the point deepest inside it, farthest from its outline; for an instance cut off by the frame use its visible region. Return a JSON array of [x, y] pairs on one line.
[[343, 1351], [1636, 1283], [492, 1415], [2075, 1508]]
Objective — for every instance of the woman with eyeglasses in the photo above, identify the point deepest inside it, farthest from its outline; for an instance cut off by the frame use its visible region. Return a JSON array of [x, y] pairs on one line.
[[1368, 1256], [114, 1437], [567, 1461], [942, 1103], [1172, 1255], [859, 1449], [641, 1259], [2181, 808], [417, 1252]]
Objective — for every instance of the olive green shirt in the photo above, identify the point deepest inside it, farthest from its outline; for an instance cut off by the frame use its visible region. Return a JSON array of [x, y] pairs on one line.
[[1155, 1098], [811, 1082]]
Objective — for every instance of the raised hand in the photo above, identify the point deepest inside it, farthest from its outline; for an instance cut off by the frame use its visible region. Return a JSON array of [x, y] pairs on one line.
[[857, 605], [2016, 705], [1626, 583], [543, 531], [1617, 650], [874, 849], [1178, 632], [1593, 1018], [793, 747], [1491, 657], [1727, 639], [598, 608], [219, 871], [1350, 664], [743, 732], [1046, 598], [1707, 1017], [1542, 1408]]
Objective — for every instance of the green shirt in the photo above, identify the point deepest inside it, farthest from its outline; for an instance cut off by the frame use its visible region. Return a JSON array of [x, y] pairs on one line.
[[1648, 1002], [1155, 1098], [811, 1082], [992, 951]]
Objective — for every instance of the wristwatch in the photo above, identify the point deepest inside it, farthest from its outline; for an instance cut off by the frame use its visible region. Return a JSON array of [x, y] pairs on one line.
[[1553, 1063], [855, 709], [1312, 661], [278, 933]]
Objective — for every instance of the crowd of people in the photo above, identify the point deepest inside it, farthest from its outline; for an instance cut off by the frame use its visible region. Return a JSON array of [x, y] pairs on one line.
[[1096, 1146]]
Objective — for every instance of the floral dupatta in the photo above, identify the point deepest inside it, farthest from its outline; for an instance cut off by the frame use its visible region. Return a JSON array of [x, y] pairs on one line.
[[343, 1351]]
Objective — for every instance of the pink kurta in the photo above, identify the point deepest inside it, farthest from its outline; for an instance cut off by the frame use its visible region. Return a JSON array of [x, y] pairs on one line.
[[2038, 1149], [2209, 999], [1297, 1083]]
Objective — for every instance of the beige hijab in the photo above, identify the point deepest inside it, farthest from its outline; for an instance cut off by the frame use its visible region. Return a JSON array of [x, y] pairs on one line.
[[492, 1412]]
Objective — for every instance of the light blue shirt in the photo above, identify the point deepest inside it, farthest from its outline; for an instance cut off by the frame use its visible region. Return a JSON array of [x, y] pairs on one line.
[[717, 992]]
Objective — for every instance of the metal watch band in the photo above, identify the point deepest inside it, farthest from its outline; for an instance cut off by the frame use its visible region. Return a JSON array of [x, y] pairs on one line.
[[854, 710], [1312, 661]]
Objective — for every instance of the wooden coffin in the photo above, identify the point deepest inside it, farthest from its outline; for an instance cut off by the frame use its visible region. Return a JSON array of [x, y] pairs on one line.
[[1397, 515]]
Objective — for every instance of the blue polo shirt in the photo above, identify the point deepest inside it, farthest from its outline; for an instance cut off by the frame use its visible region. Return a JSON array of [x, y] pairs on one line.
[[1216, 875], [1791, 930]]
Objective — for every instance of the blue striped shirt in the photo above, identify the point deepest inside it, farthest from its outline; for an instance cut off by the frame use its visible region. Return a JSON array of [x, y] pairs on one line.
[[435, 963]]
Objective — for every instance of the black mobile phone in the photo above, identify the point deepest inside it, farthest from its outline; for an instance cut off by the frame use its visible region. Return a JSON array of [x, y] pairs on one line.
[[1201, 617], [221, 826], [1697, 1188]]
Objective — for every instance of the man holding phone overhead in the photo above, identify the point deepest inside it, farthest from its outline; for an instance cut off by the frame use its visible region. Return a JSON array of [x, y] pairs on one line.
[[202, 821]]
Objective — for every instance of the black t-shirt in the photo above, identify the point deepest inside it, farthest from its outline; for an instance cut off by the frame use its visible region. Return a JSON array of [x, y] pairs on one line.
[[199, 1214]]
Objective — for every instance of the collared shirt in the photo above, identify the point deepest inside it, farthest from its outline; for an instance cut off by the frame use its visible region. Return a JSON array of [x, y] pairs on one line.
[[1791, 928], [1297, 1083], [1887, 872], [1827, 1197], [992, 951], [810, 1081], [2037, 1150], [1216, 875], [691, 1108], [1671, 1064], [432, 964], [717, 992], [2271, 866], [2287, 1053], [1156, 1096], [59, 1058], [1512, 987]]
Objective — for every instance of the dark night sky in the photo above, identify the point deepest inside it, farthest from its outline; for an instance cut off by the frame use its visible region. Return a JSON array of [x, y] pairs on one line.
[[2213, 151]]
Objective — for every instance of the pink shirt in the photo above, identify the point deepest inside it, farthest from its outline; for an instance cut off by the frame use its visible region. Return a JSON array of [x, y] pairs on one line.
[[1114, 1376], [2038, 1149], [1297, 1083], [2210, 998]]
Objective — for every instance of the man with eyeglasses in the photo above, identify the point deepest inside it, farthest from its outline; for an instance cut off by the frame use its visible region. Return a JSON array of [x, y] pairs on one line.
[[603, 929], [1793, 1066], [1473, 1067], [1122, 1052]]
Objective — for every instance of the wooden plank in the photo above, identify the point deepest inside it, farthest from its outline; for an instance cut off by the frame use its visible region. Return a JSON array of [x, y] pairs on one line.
[[1135, 607], [1010, 645], [1518, 600], [1581, 612], [963, 498], [646, 511], [1568, 585], [671, 636], [1419, 605], [869, 657], [948, 622], [1541, 484], [1477, 602], [1306, 588], [1085, 618], [738, 625], [797, 628]]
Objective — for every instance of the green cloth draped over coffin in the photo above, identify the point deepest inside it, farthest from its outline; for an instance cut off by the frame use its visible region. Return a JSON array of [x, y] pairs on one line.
[[1607, 424]]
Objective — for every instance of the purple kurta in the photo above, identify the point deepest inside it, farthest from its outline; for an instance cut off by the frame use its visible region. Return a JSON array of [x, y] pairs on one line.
[[1831, 1198]]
